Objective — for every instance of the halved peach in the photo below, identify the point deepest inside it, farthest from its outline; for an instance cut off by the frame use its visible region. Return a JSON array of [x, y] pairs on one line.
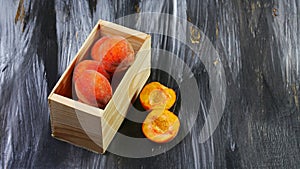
[[161, 126], [155, 95]]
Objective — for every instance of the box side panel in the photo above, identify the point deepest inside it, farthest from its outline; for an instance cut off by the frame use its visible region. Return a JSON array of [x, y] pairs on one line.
[[136, 84], [142, 75], [76, 127], [64, 85], [115, 29], [133, 81], [136, 38]]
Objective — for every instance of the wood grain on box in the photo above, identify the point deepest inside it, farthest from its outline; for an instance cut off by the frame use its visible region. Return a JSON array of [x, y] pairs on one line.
[[90, 127]]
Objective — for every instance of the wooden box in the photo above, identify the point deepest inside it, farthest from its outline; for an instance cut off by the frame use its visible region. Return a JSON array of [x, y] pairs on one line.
[[87, 126]]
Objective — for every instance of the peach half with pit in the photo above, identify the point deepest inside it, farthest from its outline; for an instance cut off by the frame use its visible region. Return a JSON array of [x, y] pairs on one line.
[[161, 126], [155, 95]]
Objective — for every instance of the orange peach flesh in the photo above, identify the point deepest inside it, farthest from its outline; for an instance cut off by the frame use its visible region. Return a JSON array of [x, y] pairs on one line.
[[161, 126], [155, 95]]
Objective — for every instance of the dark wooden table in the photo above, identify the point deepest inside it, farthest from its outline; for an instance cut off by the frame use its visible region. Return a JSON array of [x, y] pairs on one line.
[[258, 43]]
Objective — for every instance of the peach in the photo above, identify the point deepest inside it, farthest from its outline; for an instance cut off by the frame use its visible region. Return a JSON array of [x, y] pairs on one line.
[[161, 126], [155, 95], [89, 65], [115, 53], [95, 53], [93, 88]]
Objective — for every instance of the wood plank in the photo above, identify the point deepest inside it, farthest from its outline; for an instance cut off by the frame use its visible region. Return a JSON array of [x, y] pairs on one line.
[[116, 109], [63, 84]]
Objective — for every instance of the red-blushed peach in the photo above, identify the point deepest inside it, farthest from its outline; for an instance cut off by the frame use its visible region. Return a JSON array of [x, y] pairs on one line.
[[161, 126], [89, 65], [115, 53], [93, 88], [95, 53]]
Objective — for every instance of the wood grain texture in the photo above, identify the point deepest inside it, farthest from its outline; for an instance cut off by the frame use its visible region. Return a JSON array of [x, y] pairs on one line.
[[258, 42], [87, 126]]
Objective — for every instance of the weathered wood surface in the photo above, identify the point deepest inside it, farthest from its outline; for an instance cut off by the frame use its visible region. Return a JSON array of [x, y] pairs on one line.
[[258, 42]]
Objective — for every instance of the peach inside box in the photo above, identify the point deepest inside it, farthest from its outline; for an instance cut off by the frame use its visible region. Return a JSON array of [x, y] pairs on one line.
[[92, 127]]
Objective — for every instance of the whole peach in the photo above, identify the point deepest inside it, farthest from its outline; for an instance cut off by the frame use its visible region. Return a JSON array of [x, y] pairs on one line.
[[89, 65], [95, 53], [115, 53], [93, 88]]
